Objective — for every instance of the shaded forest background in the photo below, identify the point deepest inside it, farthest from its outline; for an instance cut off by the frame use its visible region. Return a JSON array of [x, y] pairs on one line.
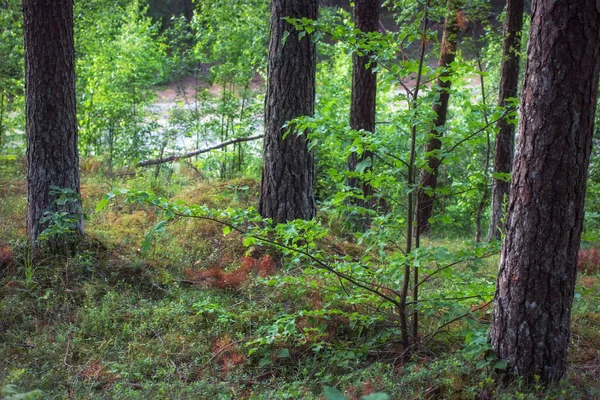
[[181, 290]]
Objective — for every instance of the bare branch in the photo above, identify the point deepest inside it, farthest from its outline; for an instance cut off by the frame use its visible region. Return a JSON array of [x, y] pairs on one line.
[[196, 152]]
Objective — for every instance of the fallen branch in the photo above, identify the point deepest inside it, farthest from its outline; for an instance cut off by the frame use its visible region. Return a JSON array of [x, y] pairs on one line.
[[196, 152]]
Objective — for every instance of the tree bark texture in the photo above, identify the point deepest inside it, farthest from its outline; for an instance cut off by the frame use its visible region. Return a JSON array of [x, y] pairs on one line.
[[428, 177], [505, 139], [288, 176], [52, 157], [534, 293], [364, 90]]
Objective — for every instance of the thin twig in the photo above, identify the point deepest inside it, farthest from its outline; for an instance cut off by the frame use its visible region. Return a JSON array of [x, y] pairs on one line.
[[445, 299], [439, 329], [218, 353], [437, 271]]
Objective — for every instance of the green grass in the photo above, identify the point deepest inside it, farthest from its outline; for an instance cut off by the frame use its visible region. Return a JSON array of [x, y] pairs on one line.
[[112, 321]]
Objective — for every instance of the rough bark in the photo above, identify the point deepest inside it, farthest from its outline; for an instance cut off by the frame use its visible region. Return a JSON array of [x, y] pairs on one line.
[[534, 293], [52, 158], [288, 176], [509, 80], [362, 108], [428, 177]]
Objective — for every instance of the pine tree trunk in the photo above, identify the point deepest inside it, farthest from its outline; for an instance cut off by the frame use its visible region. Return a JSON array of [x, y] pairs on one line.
[[538, 266], [509, 80], [52, 158], [362, 109], [288, 176], [429, 176]]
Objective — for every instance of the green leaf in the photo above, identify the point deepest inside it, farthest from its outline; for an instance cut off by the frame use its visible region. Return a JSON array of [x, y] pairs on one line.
[[226, 230], [249, 241], [503, 176], [283, 353], [376, 396], [264, 361], [147, 242], [332, 393], [501, 364], [104, 202], [312, 144], [285, 37], [364, 164], [160, 227], [11, 392]]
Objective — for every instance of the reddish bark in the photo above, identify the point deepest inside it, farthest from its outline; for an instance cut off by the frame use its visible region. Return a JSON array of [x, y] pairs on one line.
[[538, 265], [429, 176], [505, 139]]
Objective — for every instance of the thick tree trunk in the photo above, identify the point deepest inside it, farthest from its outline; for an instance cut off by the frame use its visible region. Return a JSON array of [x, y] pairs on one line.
[[362, 109], [429, 176], [288, 176], [509, 80], [52, 158], [534, 293]]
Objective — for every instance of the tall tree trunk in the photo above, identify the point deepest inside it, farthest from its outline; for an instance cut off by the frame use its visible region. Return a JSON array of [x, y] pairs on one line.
[[362, 109], [429, 176], [534, 293], [1, 119], [509, 80], [288, 176], [52, 158], [188, 10]]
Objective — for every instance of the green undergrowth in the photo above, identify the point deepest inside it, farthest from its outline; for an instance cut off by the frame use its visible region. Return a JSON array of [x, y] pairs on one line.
[[184, 311]]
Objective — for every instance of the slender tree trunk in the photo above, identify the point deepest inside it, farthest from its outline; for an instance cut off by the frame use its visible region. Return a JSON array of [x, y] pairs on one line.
[[1, 119], [486, 165], [362, 109], [509, 80], [52, 158], [188, 10], [402, 309], [288, 176], [429, 176], [538, 266]]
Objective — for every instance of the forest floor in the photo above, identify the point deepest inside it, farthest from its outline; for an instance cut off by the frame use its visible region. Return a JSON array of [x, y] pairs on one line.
[[195, 317]]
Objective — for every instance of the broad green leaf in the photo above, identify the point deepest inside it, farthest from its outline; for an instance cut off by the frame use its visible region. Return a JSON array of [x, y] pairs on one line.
[[102, 203], [264, 362], [376, 396], [283, 353], [249, 241], [501, 364], [364, 164], [332, 393]]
